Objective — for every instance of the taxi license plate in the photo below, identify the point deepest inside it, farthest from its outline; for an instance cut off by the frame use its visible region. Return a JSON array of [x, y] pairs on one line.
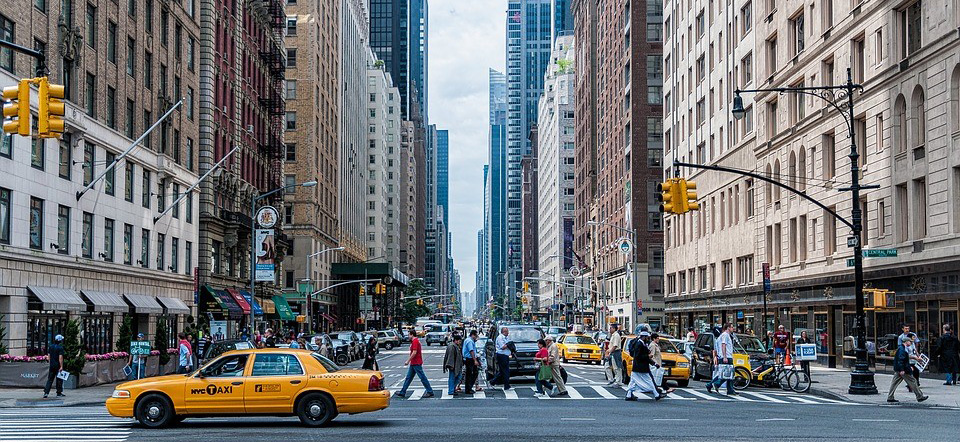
[[585, 351]]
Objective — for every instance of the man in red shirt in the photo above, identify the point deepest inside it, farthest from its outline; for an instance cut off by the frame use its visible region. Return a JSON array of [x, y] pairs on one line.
[[781, 341], [415, 365]]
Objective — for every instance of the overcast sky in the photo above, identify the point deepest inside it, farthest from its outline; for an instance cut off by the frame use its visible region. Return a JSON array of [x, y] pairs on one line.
[[466, 38]]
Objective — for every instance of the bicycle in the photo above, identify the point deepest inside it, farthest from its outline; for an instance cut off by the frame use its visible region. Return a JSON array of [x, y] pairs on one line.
[[770, 374]]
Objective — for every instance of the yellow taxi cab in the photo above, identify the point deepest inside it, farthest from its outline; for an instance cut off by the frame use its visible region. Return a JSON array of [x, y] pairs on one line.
[[676, 366], [269, 381], [579, 347]]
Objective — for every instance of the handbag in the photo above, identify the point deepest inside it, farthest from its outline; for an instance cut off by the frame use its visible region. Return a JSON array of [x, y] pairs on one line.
[[545, 373], [726, 371], [657, 373]]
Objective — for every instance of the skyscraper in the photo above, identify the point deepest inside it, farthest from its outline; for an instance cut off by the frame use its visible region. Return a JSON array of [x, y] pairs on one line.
[[398, 35], [495, 191], [443, 180]]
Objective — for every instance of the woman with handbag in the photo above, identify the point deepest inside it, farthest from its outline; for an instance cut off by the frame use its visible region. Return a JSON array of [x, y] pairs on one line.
[[545, 373]]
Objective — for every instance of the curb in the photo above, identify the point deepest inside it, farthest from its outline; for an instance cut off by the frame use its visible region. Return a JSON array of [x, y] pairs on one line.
[[832, 395], [902, 404], [40, 403]]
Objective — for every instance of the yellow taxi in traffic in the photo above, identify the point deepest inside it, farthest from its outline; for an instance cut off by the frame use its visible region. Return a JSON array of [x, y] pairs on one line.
[[676, 366], [579, 347], [270, 381]]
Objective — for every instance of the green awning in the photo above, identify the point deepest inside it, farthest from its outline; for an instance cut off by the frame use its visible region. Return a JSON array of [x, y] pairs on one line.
[[283, 309]]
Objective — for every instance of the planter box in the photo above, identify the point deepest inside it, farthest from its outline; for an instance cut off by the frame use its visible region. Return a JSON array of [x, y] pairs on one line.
[[24, 374]]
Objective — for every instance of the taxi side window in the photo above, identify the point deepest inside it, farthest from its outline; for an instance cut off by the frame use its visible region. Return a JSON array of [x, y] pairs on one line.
[[230, 366], [276, 365]]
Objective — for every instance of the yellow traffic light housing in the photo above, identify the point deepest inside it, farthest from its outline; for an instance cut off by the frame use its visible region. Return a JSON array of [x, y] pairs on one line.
[[688, 195], [18, 108], [526, 287], [363, 291], [669, 196], [51, 109]]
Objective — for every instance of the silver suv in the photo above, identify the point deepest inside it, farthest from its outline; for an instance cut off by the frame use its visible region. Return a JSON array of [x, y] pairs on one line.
[[388, 339]]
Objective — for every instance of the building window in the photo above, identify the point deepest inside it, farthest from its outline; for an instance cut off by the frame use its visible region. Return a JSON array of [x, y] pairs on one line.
[[772, 55], [772, 129], [176, 196], [108, 239], [744, 270], [128, 172], [37, 150], [216, 257], [144, 248], [6, 33], [291, 152], [727, 268], [131, 56], [128, 244], [130, 118], [190, 208], [86, 240], [920, 208], [654, 20], [188, 258], [148, 70], [145, 190], [189, 103], [174, 255], [111, 107], [828, 146], [161, 194], [291, 89], [746, 17], [291, 119], [112, 42], [829, 232], [191, 53], [799, 38], [291, 26], [4, 216], [746, 68], [291, 57], [66, 157], [161, 243], [36, 223], [109, 181], [911, 25], [63, 230]]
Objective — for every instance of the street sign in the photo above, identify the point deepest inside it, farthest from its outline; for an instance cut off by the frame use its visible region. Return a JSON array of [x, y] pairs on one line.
[[625, 246], [140, 347], [767, 286], [575, 271], [880, 253], [850, 262], [305, 288]]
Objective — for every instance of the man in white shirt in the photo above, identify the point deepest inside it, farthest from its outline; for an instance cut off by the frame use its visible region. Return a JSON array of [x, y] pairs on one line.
[[615, 355], [503, 358], [723, 355]]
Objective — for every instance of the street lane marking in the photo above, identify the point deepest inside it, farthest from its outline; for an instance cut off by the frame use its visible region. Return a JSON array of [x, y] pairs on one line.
[[701, 395], [739, 398], [574, 394], [802, 400], [774, 419], [765, 397], [479, 395], [875, 420], [489, 418], [603, 392], [416, 395], [577, 419], [671, 420], [445, 395], [510, 394], [397, 418]]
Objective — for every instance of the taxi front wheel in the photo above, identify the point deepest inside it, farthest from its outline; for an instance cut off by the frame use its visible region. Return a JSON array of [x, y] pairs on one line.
[[155, 411], [315, 410]]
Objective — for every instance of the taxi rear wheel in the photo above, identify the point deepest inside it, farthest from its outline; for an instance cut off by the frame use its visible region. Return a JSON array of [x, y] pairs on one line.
[[155, 411], [315, 410]]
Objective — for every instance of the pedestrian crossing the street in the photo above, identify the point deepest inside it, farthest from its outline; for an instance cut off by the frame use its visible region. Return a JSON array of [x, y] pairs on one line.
[[73, 424], [598, 392]]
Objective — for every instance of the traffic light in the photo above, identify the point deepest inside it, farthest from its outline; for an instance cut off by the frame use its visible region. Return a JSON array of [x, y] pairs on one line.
[[18, 108], [876, 299], [50, 116], [670, 196], [419, 302], [379, 289], [526, 287], [689, 196], [363, 290]]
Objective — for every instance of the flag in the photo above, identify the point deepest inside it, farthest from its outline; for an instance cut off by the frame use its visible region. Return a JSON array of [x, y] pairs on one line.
[[516, 17]]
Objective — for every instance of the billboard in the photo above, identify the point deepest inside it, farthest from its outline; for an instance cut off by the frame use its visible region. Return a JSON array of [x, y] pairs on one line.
[[266, 255]]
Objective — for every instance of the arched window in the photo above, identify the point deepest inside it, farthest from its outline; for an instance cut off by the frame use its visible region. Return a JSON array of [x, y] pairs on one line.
[[955, 98], [767, 187], [900, 125], [792, 170], [918, 117], [776, 177], [802, 169]]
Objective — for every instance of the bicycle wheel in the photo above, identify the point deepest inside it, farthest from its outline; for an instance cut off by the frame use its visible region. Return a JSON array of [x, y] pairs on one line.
[[741, 378], [783, 378], [799, 381]]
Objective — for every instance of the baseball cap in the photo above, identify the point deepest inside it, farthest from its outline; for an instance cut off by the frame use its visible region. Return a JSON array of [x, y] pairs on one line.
[[644, 333], [58, 338]]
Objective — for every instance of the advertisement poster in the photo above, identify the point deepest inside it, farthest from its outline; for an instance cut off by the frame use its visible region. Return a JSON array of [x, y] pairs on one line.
[[218, 330], [266, 253]]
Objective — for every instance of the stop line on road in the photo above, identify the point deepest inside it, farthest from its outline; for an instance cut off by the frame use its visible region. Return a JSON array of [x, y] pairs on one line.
[[34, 425]]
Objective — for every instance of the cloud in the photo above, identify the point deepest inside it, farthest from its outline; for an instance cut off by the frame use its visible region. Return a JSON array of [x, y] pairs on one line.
[[466, 38]]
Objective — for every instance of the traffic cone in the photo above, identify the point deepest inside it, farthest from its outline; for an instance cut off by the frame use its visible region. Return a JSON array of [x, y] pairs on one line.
[[787, 361]]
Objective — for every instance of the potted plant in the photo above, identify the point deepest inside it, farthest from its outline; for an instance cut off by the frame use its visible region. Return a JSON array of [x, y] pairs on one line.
[[74, 355], [125, 334], [3, 337], [160, 341]]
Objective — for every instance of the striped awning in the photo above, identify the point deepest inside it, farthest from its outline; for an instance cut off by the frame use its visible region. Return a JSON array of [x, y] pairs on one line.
[[174, 306], [54, 298], [144, 304], [106, 301]]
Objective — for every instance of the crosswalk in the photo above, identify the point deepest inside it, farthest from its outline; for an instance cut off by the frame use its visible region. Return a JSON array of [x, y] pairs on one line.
[[602, 392], [64, 424]]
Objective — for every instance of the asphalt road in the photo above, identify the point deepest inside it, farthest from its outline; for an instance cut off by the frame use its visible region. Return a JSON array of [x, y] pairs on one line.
[[691, 414]]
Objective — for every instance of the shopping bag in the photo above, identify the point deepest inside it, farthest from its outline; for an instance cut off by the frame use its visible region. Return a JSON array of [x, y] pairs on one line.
[[64, 375], [657, 373], [726, 371], [545, 373]]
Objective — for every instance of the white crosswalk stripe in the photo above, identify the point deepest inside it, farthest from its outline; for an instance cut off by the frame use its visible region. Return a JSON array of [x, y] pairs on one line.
[[602, 392], [28, 424]]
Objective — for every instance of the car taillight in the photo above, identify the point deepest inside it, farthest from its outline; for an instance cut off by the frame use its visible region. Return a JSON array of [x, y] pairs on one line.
[[374, 384]]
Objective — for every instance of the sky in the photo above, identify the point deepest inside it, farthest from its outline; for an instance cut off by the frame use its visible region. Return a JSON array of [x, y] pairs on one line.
[[466, 38]]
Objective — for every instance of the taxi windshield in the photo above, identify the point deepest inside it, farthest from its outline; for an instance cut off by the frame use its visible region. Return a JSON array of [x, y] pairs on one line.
[[585, 340], [749, 344], [667, 346], [326, 363]]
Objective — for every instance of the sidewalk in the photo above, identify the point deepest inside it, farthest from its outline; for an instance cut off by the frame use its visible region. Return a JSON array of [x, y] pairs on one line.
[[834, 383], [33, 397]]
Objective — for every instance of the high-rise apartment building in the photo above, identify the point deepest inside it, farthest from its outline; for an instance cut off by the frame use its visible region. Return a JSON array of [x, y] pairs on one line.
[[622, 48], [443, 173], [382, 165], [529, 212], [495, 187], [904, 122], [353, 128]]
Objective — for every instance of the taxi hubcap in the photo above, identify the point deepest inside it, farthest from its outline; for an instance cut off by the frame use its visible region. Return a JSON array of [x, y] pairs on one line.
[[153, 412], [316, 410]]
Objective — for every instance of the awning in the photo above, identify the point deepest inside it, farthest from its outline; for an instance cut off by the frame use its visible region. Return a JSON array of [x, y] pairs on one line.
[[327, 317], [210, 302], [174, 306], [253, 302], [233, 310], [269, 307], [144, 304], [238, 298], [54, 298], [106, 301], [283, 309]]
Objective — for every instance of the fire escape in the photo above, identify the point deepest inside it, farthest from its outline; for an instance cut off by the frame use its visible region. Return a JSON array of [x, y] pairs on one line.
[[271, 99]]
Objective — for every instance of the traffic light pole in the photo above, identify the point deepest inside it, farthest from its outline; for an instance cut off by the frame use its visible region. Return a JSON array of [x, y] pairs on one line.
[[39, 55]]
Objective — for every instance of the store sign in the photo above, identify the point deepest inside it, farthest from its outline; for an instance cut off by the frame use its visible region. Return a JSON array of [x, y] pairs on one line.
[[266, 255]]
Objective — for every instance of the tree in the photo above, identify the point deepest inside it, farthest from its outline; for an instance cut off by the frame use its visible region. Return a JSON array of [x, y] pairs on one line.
[[411, 311], [124, 335], [74, 355], [3, 337], [161, 340]]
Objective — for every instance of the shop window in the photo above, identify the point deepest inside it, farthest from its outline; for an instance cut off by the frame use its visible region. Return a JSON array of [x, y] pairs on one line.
[[41, 328], [98, 333], [821, 337]]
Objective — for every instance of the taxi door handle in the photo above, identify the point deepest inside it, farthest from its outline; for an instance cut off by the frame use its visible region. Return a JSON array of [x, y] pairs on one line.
[[295, 381], [237, 383]]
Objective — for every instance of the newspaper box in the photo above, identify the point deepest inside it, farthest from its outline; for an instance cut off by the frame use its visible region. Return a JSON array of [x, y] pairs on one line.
[[806, 352]]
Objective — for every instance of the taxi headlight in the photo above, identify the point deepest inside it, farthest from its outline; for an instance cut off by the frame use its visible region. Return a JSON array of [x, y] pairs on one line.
[[122, 394], [683, 364]]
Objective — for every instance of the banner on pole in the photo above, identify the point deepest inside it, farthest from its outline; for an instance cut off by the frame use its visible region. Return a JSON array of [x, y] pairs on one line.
[[266, 255]]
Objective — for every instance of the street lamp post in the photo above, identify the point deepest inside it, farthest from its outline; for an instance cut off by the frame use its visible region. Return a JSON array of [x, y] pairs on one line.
[[861, 378], [633, 258], [309, 279], [253, 242]]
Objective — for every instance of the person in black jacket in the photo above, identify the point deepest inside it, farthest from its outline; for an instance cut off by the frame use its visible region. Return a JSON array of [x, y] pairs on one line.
[[804, 339], [370, 356], [641, 379], [949, 352], [902, 371]]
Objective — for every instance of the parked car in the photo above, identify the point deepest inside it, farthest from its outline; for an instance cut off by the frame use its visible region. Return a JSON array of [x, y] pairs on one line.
[[353, 340], [341, 351], [438, 334], [324, 339], [525, 339], [748, 352], [388, 339]]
